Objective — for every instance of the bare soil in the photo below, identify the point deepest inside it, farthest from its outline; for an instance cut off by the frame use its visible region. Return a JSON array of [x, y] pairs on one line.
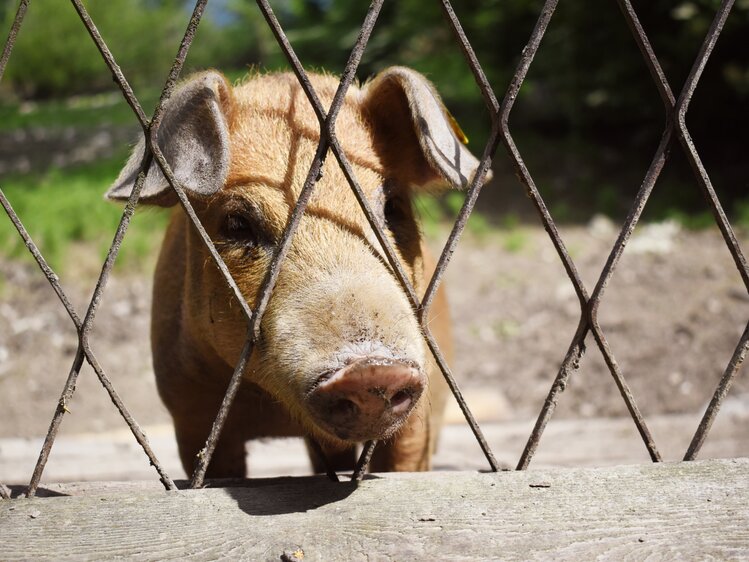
[[673, 314]]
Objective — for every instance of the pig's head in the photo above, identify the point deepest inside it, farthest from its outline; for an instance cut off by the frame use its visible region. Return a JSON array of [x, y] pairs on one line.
[[340, 345]]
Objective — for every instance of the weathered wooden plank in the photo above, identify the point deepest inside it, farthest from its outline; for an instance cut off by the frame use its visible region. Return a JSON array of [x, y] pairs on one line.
[[697, 510]]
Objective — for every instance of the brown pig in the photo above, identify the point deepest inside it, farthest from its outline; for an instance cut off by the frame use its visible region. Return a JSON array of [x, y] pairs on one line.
[[340, 357]]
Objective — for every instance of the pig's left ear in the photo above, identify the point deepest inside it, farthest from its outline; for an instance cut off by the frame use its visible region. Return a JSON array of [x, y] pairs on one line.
[[194, 138], [414, 134]]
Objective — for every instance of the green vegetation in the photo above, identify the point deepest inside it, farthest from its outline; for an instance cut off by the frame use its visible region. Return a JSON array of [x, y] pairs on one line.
[[587, 79], [65, 209], [82, 111], [587, 119], [515, 241], [438, 212], [54, 56]]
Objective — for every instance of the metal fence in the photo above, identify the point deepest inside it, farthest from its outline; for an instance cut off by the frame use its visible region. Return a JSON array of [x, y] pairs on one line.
[[675, 109]]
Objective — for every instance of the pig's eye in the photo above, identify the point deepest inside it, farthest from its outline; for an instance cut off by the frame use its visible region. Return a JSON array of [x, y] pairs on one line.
[[396, 206], [399, 219], [393, 213], [396, 212], [239, 229]]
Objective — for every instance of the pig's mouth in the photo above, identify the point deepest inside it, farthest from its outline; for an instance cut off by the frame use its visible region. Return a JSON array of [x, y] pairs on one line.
[[369, 398]]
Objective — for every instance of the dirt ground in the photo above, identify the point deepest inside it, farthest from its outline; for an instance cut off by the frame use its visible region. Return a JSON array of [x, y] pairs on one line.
[[673, 314]]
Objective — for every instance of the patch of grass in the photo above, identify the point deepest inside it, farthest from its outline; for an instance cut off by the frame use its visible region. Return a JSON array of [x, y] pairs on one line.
[[510, 221], [86, 111], [514, 236], [515, 241], [479, 225], [438, 212], [79, 111], [561, 212], [692, 221], [454, 202], [738, 212], [608, 200], [506, 328], [430, 214], [741, 214], [64, 212], [682, 201]]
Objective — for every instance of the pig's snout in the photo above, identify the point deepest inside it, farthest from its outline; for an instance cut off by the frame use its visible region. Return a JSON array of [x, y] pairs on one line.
[[367, 399]]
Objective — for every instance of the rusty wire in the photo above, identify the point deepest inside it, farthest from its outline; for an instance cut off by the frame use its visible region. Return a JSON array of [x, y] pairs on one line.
[[23, 5], [719, 214], [327, 130], [589, 306], [83, 327], [675, 112], [679, 109]]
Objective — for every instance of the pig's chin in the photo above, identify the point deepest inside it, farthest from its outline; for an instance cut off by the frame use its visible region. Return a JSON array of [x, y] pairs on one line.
[[369, 398], [337, 434]]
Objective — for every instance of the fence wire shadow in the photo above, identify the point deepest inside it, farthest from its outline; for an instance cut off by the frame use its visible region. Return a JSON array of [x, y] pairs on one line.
[[675, 129]]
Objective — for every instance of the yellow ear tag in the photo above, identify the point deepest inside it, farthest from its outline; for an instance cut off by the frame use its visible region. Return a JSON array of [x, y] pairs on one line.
[[456, 128]]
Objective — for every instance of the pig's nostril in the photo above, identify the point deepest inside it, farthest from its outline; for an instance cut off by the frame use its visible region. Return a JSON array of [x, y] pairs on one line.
[[400, 401], [367, 399], [344, 408]]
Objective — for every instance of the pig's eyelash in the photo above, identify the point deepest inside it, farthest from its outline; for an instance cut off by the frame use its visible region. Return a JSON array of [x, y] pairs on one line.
[[239, 227], [240, 231], [238, 224], [243, 226]]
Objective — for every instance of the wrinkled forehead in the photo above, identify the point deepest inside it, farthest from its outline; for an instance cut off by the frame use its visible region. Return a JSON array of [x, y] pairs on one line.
[[275, 135]]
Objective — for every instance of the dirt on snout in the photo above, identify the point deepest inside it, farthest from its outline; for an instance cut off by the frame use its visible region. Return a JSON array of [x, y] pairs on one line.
[[672, 314]]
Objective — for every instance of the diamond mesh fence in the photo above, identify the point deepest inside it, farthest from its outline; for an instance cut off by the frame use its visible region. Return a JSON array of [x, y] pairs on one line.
[[675, 135]]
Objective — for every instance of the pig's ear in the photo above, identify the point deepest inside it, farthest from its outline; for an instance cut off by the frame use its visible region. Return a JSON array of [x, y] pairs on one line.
[[414, 133], [194, 139]]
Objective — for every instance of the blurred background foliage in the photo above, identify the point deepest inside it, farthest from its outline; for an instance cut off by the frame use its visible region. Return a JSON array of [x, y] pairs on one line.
[[587, 120]]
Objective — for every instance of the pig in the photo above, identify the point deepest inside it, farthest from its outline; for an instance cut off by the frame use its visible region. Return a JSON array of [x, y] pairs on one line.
[[340, 357]]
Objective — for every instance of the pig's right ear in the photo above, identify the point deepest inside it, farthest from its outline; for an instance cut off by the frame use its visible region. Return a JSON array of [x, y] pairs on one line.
[[194, 138], [416, 137]]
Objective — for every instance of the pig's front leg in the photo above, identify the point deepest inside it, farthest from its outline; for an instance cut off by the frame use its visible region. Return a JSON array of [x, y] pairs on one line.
[[228, 460], [193, 405]]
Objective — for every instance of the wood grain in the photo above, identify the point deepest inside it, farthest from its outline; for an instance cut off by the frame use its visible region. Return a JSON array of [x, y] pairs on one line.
[[697, 510]]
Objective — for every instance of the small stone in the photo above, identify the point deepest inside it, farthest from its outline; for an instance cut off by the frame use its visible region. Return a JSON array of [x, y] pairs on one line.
[[295, 555]]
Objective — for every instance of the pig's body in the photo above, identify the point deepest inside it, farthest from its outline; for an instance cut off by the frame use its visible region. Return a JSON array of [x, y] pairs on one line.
[[340, 357]]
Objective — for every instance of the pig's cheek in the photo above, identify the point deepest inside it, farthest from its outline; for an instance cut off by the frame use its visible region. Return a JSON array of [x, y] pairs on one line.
[[227, 332]]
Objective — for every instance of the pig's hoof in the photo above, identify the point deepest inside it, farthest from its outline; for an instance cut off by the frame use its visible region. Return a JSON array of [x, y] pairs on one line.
[[368, 399]]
